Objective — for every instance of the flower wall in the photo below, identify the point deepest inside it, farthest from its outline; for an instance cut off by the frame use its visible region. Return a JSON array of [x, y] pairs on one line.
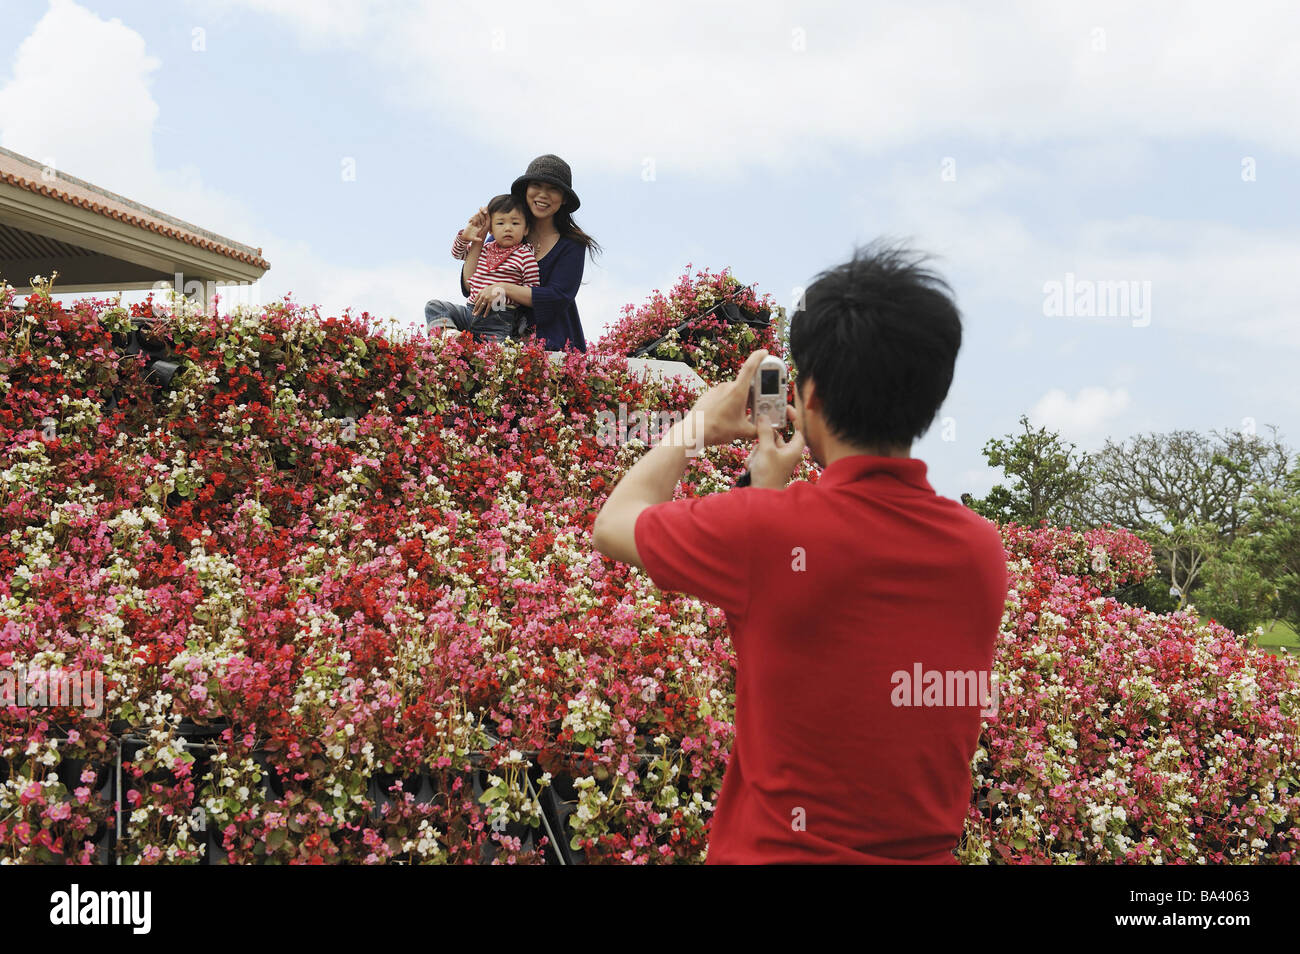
[[341, 593], [1126, 736]]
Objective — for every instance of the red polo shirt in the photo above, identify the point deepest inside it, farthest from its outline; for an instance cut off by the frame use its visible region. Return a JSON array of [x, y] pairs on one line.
[[831, 590]]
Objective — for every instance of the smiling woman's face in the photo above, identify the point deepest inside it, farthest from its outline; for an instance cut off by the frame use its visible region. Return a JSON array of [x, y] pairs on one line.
[[544, 199]]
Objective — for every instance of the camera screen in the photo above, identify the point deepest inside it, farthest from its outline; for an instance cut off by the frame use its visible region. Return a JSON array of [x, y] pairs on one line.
[[771, 383]]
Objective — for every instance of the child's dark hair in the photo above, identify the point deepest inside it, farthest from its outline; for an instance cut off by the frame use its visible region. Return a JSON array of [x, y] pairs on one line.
[[879, 336], [508, 203]]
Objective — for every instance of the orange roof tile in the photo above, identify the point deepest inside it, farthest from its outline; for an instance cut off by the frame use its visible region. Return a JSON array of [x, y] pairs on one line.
[[27, 174]]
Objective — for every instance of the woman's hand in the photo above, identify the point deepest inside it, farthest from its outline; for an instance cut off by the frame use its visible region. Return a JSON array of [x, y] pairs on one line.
[[489, 297]]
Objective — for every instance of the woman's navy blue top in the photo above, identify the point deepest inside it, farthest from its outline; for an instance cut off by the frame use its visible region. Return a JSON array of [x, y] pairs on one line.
[[554, 309]]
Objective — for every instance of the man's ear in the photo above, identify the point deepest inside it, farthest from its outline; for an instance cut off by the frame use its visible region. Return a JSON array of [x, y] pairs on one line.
[[808, 395]]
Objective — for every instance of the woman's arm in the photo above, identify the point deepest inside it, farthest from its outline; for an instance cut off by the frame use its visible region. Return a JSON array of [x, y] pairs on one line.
[[517, 294], [544, 299]]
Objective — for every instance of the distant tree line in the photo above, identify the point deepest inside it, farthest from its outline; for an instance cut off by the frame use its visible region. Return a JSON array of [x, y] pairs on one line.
[[1221, 512]]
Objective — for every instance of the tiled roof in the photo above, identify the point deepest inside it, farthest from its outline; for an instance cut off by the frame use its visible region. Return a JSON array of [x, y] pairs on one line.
[[27, 174]]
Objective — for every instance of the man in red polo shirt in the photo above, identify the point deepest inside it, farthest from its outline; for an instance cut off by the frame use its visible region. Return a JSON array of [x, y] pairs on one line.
[[863, 607]]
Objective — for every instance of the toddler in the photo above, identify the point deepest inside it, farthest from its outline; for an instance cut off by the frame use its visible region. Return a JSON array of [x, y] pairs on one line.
[[504, 259]]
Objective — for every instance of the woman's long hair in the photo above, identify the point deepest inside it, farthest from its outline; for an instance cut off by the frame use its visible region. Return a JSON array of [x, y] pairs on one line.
[[568, 228]]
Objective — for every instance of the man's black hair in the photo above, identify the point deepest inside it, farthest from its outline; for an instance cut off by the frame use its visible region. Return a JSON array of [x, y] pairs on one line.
[[879, 336]]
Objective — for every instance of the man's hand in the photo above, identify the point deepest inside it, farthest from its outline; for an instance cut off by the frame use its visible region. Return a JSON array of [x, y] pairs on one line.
[[719, 413], [718, 417], [773, 462]]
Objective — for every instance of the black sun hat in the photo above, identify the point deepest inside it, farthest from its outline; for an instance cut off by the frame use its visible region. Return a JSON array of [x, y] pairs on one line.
[[552, 169]]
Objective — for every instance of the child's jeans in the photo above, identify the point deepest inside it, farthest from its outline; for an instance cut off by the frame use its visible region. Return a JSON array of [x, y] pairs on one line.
[[449, 314]]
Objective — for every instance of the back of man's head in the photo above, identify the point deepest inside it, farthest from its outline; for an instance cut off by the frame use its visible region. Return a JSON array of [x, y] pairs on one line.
[[879, 337]]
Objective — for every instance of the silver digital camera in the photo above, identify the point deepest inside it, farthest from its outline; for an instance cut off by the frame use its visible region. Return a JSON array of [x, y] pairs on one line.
[[767, 393]]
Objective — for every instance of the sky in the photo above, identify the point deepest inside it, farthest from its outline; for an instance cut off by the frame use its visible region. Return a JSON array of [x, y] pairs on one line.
[[1111, 189]]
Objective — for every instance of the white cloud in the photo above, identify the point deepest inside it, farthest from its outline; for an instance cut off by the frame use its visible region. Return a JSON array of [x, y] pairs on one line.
[[707, 89], [79, 99], [1083, 419], [1205, 278], [700, 92], [80, 82]]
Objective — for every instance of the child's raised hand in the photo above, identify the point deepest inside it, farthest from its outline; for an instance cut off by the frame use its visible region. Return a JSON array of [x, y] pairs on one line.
[[478, 225]]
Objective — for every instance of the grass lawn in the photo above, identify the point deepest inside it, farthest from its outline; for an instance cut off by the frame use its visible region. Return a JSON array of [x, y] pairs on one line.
[[1278, 634]]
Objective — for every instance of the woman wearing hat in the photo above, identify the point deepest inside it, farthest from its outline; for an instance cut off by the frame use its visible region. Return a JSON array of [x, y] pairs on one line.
[[547, 190]]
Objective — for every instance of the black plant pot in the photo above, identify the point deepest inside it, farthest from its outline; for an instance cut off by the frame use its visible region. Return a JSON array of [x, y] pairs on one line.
[[102, 839], [737, 315], [526, 834], [130, 751], [70, 770], [559, 801], [272, 785], [379, 793], [161, 364], [214, 852], [160, 372], [193, 731]]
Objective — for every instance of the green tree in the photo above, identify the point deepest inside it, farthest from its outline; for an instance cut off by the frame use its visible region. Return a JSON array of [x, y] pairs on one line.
[[1234, 591], [1186, 494], [1257, 578], [1276, 522], [1043, 474]]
